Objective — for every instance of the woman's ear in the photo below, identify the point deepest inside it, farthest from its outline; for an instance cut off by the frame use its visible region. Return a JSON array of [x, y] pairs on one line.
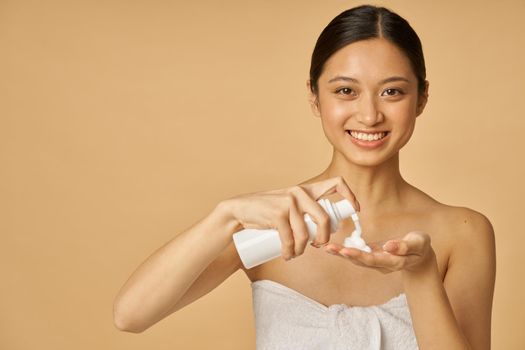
[[422, 100], [313, 99]]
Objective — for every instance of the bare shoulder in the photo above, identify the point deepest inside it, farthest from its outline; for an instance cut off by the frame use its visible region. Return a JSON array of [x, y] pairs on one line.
[[462, 229], [466, 224], [454, 229], [461, 222], [472, 262]]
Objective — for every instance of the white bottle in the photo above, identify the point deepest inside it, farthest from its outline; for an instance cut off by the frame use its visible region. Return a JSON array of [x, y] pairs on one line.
[[257, 246]]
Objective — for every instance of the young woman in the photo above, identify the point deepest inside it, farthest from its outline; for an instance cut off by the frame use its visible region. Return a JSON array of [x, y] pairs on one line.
[[436, 262]]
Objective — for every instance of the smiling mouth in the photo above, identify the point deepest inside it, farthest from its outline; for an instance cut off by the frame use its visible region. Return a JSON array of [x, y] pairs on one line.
[[367, 136]]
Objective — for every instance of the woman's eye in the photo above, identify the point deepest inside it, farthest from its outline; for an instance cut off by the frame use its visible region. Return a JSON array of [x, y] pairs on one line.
[[345, 91], [391, 92]]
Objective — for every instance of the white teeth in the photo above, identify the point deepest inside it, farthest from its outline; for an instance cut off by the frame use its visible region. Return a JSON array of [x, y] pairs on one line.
[[367, 137]]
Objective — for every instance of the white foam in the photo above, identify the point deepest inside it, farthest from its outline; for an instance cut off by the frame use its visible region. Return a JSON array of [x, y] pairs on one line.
[[355, 241]]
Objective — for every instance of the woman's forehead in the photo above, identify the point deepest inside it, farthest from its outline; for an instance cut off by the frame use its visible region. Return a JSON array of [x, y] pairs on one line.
[[372, 59]]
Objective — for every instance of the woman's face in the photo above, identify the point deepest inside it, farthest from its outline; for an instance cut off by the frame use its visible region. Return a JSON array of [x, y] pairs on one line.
[[368, 101]]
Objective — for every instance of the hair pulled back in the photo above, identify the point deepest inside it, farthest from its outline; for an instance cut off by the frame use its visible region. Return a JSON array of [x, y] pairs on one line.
[[362, 23]]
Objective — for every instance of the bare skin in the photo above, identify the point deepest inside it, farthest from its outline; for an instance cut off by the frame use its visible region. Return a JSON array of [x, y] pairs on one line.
[[442, 257]]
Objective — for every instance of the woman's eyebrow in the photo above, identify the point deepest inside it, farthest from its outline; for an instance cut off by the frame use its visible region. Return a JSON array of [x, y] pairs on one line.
[[343, 78], [395, 78], [384, 81]]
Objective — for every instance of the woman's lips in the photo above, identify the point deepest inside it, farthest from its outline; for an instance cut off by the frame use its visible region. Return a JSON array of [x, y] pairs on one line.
[[365, 143]]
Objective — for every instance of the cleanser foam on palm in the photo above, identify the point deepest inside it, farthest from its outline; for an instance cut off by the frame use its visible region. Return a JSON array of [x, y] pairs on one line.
[[355, 240]]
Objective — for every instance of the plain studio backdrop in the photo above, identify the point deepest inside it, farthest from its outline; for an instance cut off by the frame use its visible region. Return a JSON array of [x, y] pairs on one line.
[[122, 123]]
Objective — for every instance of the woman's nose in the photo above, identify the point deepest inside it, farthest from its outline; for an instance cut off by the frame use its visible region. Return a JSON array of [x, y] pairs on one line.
[[368, 113]]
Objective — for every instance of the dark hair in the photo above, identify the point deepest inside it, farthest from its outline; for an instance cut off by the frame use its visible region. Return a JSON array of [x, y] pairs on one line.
[[367, 22]]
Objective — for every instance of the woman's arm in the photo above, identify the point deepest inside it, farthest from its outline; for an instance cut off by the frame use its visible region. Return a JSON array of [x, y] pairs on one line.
[[154, 290], [456, 313], [197, 260]]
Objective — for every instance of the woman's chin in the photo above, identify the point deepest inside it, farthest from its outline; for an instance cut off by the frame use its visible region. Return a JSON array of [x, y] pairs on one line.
[[370, 159]]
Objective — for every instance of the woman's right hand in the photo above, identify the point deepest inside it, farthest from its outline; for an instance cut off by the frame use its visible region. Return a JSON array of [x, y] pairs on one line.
[[284, 209]]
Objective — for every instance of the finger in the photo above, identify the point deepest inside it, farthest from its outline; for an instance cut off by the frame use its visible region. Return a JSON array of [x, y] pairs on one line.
[[353, 255], [392, 247], [316, 213], [376, 246], [333, 247], [386, 261], [413, 243], [299, 229], [369, 259], [329, 186], [351, 252], [418, 242], [286, 235], [358, 262], [344, 256]]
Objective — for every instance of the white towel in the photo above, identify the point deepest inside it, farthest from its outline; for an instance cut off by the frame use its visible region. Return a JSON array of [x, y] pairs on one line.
[[288, 320]]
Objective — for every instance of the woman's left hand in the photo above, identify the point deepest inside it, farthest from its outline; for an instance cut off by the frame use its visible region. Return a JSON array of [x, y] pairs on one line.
[[413, 252]]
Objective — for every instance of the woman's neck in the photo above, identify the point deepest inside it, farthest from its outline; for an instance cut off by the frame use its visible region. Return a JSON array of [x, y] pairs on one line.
[[377, 188]]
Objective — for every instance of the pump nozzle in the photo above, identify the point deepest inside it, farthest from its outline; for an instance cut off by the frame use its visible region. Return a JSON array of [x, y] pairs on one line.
[[344, 209]]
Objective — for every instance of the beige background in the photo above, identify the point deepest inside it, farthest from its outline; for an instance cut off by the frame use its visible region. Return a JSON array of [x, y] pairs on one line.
[[124, 122]]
